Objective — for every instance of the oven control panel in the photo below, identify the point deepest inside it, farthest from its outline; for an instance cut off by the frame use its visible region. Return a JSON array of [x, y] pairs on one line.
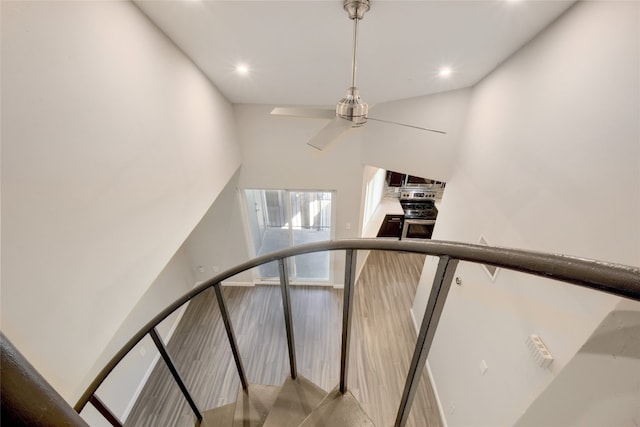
[[419, 195]]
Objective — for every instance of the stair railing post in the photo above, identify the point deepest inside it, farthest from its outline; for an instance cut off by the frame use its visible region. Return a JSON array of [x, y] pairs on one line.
[[435, 305], [26, 398], [172, 368], [347, 315], [288, 322], [231, 335], [104, 411]]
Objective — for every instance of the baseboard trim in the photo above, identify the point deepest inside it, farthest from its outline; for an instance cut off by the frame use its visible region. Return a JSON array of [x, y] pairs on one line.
[[297, 284], [243, 284], [435, 389], [435, 393], [413, 318]]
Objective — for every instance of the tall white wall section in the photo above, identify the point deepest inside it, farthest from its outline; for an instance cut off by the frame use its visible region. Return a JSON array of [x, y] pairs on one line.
[[113, 147], [550, 161]]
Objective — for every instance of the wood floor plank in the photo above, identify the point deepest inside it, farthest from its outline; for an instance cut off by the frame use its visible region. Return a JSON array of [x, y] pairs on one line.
[[382, 345]]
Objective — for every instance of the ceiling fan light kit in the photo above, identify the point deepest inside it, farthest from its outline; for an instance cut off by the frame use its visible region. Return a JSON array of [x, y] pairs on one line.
[[350, 111], [352, 108]]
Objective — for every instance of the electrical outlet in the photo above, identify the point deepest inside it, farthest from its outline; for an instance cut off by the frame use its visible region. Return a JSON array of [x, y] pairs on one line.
[[348, 226], [200, 269], [539, 350]]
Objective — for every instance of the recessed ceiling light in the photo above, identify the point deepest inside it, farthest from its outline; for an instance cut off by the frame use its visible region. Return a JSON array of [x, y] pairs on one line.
[[242, 69], [445, 72]]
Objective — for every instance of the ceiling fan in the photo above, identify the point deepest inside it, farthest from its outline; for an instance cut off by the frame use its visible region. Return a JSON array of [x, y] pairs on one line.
[[351, 111]]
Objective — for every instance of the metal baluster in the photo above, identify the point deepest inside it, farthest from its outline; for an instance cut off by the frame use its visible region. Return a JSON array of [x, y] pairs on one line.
[[347, 315], [231, 335], [437, 297], [286, 307], [104, 411], [172, 368]]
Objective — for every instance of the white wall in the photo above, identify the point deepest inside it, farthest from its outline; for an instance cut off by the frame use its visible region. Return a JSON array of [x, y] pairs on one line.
[[373, 180], [219, 240], [600, 386], [275, 155], [550, 161], [416, 152], [122, 386], [113, 147]]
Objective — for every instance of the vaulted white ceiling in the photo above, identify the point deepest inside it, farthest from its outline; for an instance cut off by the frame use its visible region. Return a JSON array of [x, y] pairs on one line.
[[299, 52]]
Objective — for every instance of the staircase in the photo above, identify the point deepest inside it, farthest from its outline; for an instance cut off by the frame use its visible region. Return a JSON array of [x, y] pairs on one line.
[[297, 402]]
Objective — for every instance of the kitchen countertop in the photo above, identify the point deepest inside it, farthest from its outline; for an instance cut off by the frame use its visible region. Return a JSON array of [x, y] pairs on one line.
[[387, 206]]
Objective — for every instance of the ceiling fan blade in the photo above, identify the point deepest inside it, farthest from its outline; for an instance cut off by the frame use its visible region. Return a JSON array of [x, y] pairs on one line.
[[329, 133], [409, 126], [314, 113]]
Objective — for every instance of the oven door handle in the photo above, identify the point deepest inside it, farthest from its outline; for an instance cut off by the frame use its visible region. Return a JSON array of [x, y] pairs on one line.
[[420, 221], [408, 222]]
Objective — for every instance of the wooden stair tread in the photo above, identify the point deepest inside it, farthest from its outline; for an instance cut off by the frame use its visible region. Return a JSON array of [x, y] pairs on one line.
[[222, 416], [296, 400], [338, 409], [253, 405]]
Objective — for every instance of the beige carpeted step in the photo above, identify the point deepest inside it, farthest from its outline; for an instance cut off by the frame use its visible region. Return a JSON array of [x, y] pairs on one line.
[[218, 417], [253, 405], [338, 409], [296, 400]]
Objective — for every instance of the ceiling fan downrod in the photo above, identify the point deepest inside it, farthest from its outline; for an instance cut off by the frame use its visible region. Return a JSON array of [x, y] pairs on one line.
[[351, 107]]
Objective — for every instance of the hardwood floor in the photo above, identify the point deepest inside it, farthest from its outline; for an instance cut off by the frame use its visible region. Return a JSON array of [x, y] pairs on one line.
[[382, 344], [384, 340]]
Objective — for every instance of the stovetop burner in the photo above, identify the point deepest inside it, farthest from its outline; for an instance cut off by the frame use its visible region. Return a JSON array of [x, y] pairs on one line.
[[418, 206], [419, 209]]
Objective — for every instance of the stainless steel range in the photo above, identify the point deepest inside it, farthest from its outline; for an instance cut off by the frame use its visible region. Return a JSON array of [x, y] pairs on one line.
[[420, 213]]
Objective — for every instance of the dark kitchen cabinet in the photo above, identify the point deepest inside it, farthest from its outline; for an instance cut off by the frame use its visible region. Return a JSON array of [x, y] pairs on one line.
[[416, 180], [391, 226], [395, 179]]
